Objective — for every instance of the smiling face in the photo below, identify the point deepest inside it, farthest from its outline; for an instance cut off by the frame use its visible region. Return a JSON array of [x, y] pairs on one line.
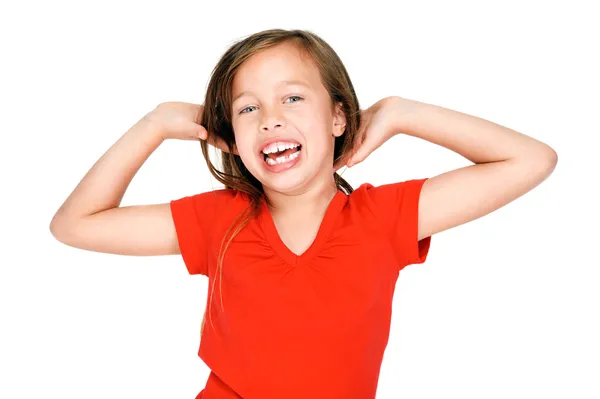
[[280, 106]]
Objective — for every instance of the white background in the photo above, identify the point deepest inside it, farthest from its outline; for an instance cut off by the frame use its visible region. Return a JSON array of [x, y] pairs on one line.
[[506, 306]]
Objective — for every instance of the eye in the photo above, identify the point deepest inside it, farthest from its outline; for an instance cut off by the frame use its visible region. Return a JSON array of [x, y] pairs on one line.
[[295, 97], [251, 106], [242, 111]]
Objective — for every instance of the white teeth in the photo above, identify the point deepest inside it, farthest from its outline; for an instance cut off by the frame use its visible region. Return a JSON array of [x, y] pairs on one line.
[[282, 159], [278, 146]]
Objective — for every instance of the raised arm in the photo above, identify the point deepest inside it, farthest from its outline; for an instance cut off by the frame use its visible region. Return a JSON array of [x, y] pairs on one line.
[[91, 219], [507, 164]]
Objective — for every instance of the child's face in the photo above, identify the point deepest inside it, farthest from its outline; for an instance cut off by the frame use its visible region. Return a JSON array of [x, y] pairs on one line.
[[269, 110]]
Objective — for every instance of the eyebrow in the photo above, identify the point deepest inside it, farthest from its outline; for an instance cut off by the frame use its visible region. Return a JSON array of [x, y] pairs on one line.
[[283, 82]]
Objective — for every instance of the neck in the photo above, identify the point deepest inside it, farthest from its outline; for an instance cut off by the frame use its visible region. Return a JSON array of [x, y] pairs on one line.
[[312, 199]]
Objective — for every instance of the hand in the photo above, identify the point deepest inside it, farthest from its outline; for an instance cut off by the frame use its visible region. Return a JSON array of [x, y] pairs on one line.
[[376, 127], [178, 120]]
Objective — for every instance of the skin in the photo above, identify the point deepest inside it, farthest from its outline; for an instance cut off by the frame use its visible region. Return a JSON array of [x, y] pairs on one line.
[[301, 194], [507, 163]]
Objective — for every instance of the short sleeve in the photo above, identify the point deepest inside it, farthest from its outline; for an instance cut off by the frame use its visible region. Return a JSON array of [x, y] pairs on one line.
[[190, 234], [397, 206], [195, 218]]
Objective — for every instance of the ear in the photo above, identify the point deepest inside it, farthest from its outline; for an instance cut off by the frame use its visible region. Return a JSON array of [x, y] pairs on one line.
[[339, 121]]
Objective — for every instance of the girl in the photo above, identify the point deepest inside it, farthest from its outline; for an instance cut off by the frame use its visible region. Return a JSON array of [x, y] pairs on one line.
[[303, 266]]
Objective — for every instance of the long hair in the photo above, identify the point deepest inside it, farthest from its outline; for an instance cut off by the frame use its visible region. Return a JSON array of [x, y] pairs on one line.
[[216, 117]]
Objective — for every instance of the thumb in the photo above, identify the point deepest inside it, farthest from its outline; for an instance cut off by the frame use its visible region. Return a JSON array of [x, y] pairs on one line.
[[359, 155], [341, 161], [216, 141], [358, 150], [201, 132]]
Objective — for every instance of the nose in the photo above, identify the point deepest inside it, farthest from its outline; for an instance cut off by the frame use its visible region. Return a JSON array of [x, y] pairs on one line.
[[272, 119]]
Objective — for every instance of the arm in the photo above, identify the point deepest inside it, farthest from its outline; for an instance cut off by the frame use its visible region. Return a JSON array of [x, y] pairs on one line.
[[508, 164], [91, 219]]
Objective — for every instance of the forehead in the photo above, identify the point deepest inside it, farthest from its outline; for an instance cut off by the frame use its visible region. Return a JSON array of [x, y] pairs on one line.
[[274, 65]]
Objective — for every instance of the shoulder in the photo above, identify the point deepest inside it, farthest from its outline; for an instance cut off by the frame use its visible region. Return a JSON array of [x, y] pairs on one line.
[[215, 202], [387, 205], [216, 197], [370, 195]]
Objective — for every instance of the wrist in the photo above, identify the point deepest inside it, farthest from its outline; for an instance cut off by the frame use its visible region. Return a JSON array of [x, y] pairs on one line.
[[403, 114], [151, 128]]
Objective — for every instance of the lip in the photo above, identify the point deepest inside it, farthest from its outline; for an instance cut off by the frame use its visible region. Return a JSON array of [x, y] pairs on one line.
[[274, 139], [282, 166]]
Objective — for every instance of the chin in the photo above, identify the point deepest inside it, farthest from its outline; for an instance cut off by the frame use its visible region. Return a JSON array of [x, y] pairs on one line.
[[291, 183]]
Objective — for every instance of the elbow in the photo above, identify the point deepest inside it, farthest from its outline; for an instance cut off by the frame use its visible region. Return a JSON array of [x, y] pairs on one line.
[[55, 228], [58, 228], [549, 159], [543, 162]]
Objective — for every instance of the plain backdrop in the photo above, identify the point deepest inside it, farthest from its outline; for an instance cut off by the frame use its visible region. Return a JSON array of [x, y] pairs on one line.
[[506, 306]]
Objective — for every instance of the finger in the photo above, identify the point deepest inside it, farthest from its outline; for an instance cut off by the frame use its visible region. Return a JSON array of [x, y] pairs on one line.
[[360, 155], [202, 133], [219, 143], [213, 139], [359, 136], [223, 146], [343, 161], [358, 147]]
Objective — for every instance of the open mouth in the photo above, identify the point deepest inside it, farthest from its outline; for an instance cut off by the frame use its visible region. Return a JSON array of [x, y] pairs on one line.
[[281, 154]]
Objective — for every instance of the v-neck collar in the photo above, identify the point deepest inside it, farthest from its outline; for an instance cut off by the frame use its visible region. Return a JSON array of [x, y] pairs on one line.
[[268, 226]]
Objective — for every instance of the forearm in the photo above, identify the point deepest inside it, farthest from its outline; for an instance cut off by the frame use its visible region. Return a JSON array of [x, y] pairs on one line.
[[105, 183], [476, 139]]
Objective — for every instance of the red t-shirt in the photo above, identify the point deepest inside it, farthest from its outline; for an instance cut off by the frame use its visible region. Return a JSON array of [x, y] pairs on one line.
[[309, 326]]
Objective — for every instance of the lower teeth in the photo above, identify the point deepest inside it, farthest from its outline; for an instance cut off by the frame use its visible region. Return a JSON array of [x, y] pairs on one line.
[[271, 161]]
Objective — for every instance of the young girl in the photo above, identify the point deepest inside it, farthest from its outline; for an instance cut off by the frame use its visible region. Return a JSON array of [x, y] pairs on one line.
[[301, 267]]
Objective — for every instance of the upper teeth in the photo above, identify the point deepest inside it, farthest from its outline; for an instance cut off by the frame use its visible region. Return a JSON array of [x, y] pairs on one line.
[[278, 146]]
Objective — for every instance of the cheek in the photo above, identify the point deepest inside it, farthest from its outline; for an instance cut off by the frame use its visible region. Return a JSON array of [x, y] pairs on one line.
[[245, 148], [319, 138]]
